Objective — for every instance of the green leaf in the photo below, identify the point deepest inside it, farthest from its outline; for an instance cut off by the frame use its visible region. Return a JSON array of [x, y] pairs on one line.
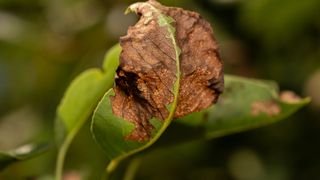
[[111, 60], [80, 99], [86, 90], [22, 153], [237, 111], [111, 131], [245, 104]]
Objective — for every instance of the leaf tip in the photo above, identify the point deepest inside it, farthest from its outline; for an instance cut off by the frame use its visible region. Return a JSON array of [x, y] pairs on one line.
[[132, 8]]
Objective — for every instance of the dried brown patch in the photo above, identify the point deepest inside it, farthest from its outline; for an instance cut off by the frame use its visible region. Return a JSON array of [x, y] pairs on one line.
[[270, 108], [147, 70], [289, 97]]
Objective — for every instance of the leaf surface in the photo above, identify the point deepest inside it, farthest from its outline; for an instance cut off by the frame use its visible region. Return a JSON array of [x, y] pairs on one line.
[[22, 153], [84, 93], [79, 101], [248, 104], [169, 67], [129, 118], [245, 104]]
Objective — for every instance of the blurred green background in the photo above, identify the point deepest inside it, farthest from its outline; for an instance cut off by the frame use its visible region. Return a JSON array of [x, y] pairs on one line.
[[44, 44]]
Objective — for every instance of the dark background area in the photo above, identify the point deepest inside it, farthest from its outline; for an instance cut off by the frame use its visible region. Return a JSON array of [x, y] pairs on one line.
[[45, 44]]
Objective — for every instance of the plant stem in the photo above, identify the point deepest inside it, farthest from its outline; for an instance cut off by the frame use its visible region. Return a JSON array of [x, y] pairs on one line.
[[62, 153], [59, 163], [111, 168]]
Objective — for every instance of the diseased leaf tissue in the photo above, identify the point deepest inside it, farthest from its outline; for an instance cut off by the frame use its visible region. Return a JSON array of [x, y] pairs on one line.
[[148, 73]]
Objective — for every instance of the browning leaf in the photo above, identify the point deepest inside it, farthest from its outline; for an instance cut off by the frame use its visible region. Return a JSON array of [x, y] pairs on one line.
[[271, 108], [289, 97], [147, 74]]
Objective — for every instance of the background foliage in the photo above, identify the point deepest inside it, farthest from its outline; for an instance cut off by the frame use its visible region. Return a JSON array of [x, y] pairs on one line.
[[45, 44]]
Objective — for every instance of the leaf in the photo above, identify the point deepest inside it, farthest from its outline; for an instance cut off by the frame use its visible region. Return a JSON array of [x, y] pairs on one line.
[[85, 91], [80, 99], [22, 153], [119, 136], [109, 130], [111, 60], [245, 104], [255, 104], [154, 72]]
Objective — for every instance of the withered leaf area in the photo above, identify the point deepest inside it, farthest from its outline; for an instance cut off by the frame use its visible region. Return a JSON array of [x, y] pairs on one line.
[[147, 70]]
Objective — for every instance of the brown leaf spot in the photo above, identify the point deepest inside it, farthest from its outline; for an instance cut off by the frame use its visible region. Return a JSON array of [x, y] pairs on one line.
[[147, 70], [289, 97], [270, 108]]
